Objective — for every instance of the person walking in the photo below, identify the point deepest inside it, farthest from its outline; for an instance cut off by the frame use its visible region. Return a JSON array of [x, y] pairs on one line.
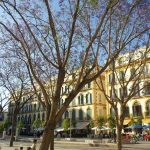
[[33, 147], [101, 136]]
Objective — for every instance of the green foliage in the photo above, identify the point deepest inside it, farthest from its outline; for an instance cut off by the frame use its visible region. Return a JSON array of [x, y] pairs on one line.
[[66, 124], [111, 122], [20, 125], [6, 124], [91, 124], [132, 121], [101, 120], [1, 127], [43, 123], [37, 123], [73, 123], [139, 120]]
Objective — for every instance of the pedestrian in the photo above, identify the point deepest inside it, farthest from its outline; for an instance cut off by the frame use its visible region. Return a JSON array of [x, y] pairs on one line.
[[101, 136], [21, 148], [115, 136], [29, 148], [33, 147]]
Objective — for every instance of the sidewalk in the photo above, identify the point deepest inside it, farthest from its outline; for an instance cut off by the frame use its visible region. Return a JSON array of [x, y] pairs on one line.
[[27, 141]]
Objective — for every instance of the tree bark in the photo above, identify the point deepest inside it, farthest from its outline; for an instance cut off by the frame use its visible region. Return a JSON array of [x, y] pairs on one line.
[[48, 137], [14, 121], [119, 137]]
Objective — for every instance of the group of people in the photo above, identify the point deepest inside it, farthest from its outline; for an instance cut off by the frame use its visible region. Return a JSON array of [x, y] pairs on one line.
[[33, 147], [111, 135]]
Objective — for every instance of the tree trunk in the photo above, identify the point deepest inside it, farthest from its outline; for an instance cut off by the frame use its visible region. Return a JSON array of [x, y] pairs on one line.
[[119, 138], [52, 141], [48, 137], [14, 121]]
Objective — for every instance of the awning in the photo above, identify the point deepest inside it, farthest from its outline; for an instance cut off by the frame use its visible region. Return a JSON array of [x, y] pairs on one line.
[[102, 128], [146, 126], [59, 129], [81, 125], [134, 127]]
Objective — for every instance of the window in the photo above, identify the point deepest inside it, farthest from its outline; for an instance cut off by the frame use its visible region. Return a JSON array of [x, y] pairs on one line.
[[73, 114], [38, 115], [66, 114], [123, 92], [113, 94], [132, 73], [24, 99], [34, 106], [66, 89], [61, 103], [147, 89], [112, 111], [110, 78], [89, 98], [89, 114], [121, 75], [126, 112], [73, 102], [137, 110], [146, 70], [81, 99], [80, 114], [89, 85], [148, 108], [137, 91], [34, 117]]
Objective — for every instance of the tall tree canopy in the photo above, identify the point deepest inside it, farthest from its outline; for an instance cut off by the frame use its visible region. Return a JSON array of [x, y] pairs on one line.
[[65, 41]]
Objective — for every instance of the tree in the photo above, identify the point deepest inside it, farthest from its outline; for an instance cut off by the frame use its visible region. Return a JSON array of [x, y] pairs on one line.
[[101, 120], [126, 78], [37, 123], [20, 125], [4, 125], [139, 120], [15, 81], [91, 124], [66, 124], [51, 42], [111, 122], [3, 101], [132, 121]]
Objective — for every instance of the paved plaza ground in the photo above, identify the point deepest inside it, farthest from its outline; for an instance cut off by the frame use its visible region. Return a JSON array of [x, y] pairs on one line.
[[78, 145]]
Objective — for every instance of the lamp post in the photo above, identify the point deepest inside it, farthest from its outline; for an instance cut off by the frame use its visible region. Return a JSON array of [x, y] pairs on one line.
[[70, 124]]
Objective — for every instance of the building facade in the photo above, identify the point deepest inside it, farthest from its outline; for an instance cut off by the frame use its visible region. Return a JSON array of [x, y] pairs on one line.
[[86, 106], [139, 104]]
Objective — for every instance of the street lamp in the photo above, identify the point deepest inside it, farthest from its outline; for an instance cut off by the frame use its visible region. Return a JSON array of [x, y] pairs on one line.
[[70, 124]]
